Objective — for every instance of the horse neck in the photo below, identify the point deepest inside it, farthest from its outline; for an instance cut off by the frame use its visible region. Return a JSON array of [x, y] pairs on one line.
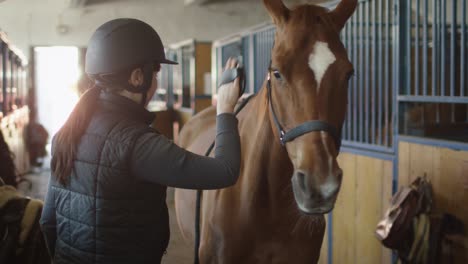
[[267, 169]]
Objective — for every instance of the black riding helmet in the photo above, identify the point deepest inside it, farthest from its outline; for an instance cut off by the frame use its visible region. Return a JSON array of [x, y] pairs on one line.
[[121, 44]]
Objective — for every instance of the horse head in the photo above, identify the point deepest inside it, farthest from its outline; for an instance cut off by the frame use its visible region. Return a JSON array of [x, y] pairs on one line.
[[308, 81]]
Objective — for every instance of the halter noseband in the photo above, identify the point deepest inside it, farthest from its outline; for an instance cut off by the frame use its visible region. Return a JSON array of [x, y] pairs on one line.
[[305, 128]]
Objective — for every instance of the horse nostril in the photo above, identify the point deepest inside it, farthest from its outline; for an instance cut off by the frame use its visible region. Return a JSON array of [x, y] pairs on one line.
[[335, 192], [301, 180], [340, 176]]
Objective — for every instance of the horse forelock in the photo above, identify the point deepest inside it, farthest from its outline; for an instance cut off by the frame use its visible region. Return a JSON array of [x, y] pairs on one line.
[[296, 39], [307, 15]]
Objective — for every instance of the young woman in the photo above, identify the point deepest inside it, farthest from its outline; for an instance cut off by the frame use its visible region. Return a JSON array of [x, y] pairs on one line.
[[110, 170]]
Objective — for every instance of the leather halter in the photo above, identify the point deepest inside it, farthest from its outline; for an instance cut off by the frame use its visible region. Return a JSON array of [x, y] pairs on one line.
[[305, 128]]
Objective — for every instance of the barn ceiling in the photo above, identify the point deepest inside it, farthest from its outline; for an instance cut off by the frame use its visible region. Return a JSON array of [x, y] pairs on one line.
[[85, 3], [71, 22]]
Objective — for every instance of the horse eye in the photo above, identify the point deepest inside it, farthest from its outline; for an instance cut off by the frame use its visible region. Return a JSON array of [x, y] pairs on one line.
[[277, 75]]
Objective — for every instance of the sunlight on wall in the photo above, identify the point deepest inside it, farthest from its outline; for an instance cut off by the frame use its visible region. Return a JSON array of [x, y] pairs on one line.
[[57, 72]]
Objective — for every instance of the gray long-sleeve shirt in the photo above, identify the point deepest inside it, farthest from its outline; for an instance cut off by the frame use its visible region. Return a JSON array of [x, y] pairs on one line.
[[158, 160]]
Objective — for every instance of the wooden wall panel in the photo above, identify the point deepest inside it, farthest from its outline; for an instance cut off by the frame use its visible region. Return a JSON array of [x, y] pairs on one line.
[[324, 250], [387, 183], [403, 164], [202, 66], [364, 196], [448, 173], [345, 212], [368, 209]]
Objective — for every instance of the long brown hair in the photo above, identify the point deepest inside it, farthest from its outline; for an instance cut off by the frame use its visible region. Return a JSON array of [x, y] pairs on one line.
[[65, 143], [66, 140]]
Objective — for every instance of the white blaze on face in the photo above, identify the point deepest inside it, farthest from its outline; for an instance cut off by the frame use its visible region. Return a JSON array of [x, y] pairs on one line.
[[331, 184], [320, 59]]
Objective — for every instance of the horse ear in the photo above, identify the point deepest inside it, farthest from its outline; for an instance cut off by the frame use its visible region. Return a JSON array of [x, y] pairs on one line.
[[277, 10], [343, 12]]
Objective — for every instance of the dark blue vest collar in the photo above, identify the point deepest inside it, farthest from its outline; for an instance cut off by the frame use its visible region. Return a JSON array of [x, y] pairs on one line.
[[126, 107]]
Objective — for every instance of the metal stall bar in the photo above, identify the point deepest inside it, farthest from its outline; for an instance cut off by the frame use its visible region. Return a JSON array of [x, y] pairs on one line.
[[463, 43], [408, 46], [453, 47], [5, 80], [12, 67], [453, 52], [255, 55], [359, 145], [344, 39], [387, 72], [11, 87], [255, 65], [2, 80], [170, 82], [269, 45], [350, 48], [251, 63], [376, 70], [443, 24], [361, 73], [245, 55], [434, 99], [355, 85], [434, 47], [220, 64], [263, 53], [380, 89], [19, 87], [437, 60], [17, 82], [416, 48], [425, 47], [4, 51], [367, 44]]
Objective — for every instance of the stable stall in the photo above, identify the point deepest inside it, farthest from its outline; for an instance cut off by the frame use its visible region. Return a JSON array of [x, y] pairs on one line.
[[14, 112]]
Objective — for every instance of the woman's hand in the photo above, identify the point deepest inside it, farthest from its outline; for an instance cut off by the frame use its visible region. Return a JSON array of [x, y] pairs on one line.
[[228, 94]]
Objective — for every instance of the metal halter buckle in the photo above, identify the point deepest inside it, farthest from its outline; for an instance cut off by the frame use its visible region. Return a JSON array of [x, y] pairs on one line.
[[282, 133]]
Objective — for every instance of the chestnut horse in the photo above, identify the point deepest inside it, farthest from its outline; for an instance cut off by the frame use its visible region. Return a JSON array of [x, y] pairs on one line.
[[275, 212]]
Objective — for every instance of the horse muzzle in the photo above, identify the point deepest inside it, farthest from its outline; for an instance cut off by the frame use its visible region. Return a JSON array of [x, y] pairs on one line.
[[313, 197]]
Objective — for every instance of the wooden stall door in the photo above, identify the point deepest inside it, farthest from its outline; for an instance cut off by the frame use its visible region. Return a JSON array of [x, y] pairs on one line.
[[362, 201], [202, 67]]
